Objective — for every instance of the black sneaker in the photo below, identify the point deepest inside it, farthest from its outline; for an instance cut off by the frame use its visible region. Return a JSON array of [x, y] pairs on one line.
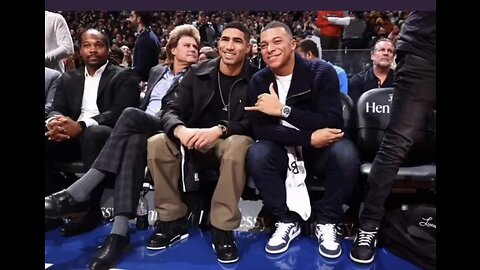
[[224, 245], [167, 233], [363, 248]]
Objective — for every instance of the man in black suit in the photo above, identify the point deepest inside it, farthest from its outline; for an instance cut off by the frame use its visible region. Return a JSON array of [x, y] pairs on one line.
[[87, 104], [124, 154]]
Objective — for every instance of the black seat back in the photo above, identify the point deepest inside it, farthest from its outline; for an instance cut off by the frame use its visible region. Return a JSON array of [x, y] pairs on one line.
[[348, 119], [373, 114]]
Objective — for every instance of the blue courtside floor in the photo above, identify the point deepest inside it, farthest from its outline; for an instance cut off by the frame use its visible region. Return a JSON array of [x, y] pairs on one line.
[[196, 252]]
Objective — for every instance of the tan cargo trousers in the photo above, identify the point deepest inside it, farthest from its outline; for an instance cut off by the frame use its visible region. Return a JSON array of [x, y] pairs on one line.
[[164, 160]]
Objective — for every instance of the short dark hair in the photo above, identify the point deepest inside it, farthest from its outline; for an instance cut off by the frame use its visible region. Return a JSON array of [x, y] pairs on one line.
[[146, 17], [240, 26], [276, 24], [104, 37], [308, 45]]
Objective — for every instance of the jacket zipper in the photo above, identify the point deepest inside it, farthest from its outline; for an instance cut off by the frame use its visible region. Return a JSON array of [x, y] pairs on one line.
[[229, 97]]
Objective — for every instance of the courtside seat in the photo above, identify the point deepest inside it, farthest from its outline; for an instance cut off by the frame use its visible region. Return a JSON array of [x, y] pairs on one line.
[[373, 114]]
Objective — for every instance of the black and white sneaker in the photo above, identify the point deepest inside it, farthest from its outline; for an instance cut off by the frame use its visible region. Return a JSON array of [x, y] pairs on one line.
[[363, 247], [328, 240], [281, 238], [167, 233], [223, 243]]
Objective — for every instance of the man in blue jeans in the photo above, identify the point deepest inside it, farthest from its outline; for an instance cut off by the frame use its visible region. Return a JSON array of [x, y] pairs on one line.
[[414, 98], [296, 118]]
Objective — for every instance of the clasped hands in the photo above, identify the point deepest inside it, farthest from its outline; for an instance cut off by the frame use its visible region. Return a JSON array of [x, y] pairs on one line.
[[200, 139], [62, 128]]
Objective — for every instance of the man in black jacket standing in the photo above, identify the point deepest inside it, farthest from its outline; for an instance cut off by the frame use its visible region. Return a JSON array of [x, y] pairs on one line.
[[207, 123], [414, 97]]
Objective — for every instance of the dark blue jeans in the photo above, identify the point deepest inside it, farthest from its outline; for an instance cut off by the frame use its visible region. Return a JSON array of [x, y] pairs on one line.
[[414, 98], [338, 165]]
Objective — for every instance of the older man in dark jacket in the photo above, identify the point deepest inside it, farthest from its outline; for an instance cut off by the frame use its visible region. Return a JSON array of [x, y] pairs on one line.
[[208, 121]]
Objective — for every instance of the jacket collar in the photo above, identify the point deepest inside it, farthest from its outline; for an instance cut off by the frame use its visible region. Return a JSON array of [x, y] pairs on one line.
[[301, 77]]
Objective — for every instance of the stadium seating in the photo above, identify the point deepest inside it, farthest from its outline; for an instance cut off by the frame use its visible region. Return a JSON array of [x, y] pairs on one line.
[[373, 114]]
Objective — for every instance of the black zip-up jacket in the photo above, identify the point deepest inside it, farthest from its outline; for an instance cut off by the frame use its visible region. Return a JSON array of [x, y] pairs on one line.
[[419, 35], [196, 91], [314, 96]]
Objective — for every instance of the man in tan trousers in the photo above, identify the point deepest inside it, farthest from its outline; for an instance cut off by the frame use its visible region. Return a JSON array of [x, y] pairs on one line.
[[205, 125]]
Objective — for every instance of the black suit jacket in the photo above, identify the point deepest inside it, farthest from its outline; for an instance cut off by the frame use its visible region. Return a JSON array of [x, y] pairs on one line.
[[118, 89]]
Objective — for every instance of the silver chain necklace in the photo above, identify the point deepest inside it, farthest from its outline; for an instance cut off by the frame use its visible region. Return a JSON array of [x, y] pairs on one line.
[[225, 105]]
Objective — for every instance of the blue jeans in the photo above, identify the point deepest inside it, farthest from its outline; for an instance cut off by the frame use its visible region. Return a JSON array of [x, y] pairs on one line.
[[414, 98], [338, 165]]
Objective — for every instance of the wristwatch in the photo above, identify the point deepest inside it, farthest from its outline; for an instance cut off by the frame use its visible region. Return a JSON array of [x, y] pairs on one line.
[[286, 110], [223, 129]]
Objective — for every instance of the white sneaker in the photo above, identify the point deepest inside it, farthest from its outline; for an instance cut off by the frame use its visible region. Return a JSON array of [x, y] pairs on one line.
[[328, 240], [280, 240]]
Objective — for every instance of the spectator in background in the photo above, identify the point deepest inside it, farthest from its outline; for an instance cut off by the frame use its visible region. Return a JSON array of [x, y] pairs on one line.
[[87, 104], [329, 33], [207, 55], [147, 46], [379, 75], [395, 34], [254, 55], [353, 29], [74, 61], [58, 41], [162, 56], [116, 55], [124, 154], [127, 57], [414, 98], [207, 32], [307, 49], [51, 76], [315, 37]]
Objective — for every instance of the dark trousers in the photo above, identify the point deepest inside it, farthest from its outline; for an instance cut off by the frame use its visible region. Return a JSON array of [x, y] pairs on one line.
[[125, 156], [338, 165], [86, 147], [414, 98]]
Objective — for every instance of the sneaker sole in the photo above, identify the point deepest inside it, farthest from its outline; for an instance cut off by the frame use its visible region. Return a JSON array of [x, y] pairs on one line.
[[294, 236], [222, 261], [361, 261], [330, 256], [174, 240]]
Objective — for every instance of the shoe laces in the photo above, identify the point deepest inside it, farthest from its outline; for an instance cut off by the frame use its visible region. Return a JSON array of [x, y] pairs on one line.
[[365, 238], [282, 230], [327, 232]]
